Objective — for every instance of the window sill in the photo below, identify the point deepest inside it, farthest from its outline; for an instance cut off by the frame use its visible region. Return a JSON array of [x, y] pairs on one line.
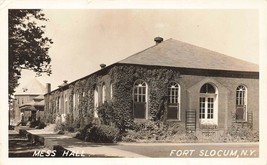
[[140, 120], [241, 121], [174, 120]]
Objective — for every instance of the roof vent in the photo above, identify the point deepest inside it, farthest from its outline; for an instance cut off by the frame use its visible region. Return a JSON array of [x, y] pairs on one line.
[[158, 40], [65, 82], [102, 66]]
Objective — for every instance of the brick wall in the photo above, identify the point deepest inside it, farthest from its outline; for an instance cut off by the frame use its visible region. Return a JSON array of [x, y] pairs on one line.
[[190, 91]]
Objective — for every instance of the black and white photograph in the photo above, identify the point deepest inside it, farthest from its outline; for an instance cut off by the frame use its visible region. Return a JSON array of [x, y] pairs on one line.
[[121, 83]]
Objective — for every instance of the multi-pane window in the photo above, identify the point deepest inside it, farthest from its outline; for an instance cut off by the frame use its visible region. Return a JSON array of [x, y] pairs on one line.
[[173, 90], [241, 103], [140, 91], [207, 88], [241, 95], [140, 99], [206, 101], [173, 101], [202, 108], [210, 108]]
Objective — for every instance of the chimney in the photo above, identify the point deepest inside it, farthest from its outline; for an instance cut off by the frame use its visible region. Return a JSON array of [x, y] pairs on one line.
[[48, 87], [158, 40], [65, 82], [102, 66]]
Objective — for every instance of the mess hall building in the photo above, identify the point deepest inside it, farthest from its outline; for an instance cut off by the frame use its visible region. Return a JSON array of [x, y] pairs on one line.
[[171, 81]]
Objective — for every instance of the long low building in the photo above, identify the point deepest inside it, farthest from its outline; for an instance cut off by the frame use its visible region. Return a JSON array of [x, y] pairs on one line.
[[171, 81]]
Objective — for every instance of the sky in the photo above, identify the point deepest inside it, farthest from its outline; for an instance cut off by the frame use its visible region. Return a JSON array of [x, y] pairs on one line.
[[85, 38]]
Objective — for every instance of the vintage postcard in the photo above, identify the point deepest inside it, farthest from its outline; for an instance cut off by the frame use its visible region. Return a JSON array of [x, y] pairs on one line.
[[133, 84]]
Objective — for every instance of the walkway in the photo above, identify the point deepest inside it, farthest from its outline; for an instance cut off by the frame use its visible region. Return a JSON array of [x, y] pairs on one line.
[[79, 147]]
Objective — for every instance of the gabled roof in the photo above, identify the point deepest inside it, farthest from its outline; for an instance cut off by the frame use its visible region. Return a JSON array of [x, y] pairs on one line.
[[175, 53], [34, 87]]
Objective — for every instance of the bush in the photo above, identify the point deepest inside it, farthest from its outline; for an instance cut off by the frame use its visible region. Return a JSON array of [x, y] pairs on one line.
[[102, 134], [240, 134], [110, 115], [150, 131], [40, 125]]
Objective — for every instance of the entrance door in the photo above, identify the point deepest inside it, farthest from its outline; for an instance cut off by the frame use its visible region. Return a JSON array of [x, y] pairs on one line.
[[206, 111], [207, 105]]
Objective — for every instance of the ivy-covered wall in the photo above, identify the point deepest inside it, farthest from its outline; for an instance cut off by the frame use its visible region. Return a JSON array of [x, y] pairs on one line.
[[78, 103], [122, 79]]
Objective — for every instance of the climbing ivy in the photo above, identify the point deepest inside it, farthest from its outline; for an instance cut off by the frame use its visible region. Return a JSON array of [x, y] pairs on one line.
[[120, 107]]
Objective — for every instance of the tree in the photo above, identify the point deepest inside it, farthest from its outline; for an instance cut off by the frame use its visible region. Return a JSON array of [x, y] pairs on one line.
[[28, 47]]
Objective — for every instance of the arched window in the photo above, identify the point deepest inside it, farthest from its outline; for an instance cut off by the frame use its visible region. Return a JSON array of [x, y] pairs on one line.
[[95, 102], [73, 101], [111, 90], [140, 99], [208, 104], [103, 93], [241, 103], [207, 88], [66, 104], [173, 101]]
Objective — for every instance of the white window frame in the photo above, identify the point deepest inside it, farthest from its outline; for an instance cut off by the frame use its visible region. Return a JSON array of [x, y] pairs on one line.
[[73, 101], [59, 104], [111, 90], [65, 103], [174, 97], [96, 102], [205, 106], [104, 88], [241, 98], [141, 95]]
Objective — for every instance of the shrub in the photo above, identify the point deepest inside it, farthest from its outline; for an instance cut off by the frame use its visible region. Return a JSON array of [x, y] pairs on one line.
[[238, 133], [102, 134], [59, 127], [151, 131], [40, 125], [110, 115]]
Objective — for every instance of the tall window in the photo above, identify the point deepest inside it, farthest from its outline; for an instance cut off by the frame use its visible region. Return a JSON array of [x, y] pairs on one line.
[[95, 101], [111, 90], [59, 104], [140, 99], [241, 102], [66, 104], [207, 101], [173, 101], [73, 101], [78, 99], [103, 93]]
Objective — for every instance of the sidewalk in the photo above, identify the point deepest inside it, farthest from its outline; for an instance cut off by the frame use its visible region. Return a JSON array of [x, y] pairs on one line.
[[54, 141], [79, 147]]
